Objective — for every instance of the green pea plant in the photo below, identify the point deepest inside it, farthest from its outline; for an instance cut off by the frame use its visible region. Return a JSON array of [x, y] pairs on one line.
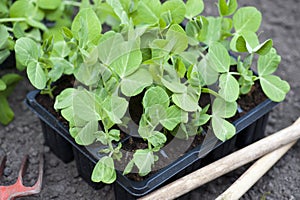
[[32, 21], [148, 51]]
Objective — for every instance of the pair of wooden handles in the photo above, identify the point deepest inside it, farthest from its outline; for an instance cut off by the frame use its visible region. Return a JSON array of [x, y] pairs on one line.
[[269, 149]]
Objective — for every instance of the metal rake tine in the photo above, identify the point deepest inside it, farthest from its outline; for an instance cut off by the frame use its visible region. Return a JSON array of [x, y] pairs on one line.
[[2, 164], [38, 185], [22, 168]]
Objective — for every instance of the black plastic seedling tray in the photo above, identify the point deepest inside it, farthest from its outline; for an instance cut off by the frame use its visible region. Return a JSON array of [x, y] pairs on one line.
[[250, 128]]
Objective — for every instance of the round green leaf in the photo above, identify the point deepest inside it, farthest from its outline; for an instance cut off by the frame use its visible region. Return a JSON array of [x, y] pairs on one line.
[[104, 171], [157, 139], [177, 9], [186, 102], [27, 51], [229, 87], [223, 130], [218, 57], [275, 88], [21, 8], [267, 64], [156, 95], [2, 85], [128, 60], [48, 5], [193, 8], [148, 12], [136, 82], [86, 134], [177, 38], [247, 19], [227, 8], [224, 109], [6, 114], [36, 75], [143, 159], [93, 25], [84, 100], [64, 99]]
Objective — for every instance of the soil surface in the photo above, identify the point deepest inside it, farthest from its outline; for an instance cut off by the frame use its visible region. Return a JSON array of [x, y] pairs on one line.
[[61, 181]]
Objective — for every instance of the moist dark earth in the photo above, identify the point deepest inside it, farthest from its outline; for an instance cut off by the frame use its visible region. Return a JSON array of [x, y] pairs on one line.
[[61, 181]]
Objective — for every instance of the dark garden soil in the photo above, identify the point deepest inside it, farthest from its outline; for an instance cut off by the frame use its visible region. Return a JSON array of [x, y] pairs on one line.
[[61, 181]]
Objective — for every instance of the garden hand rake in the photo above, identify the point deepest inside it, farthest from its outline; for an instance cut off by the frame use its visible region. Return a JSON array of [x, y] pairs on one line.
[[18, 189]]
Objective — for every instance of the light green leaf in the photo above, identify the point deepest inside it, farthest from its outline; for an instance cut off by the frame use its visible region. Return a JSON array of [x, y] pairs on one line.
[[148, 12], [6, 114], [3, 55], [224, 109], [229, 87], [264, 48], [36, 74], [275, 88], [227, 8], [178, 40], [249, 40], [157, 138], [114, 135], [84, 100], [218, 57], [60, 49], [156, 113], [222, 128], [36, 24], [86, 135], [21, 8], [56, 72], [211, 30], [128, 60], [48, 5], [186, 102], [156, 95], [10, 80], [173, 117], [64, 99], [119, 10], [136, 82], [4, 36], [201, 118], [90, 18], [88, 74], [115, 107], [177, 9], [205, 73], [175, 86], [104, 171], [193, 8], [2, 85], [247, 19], [268, 63], [128, 167], [143, 159], [27, 51]]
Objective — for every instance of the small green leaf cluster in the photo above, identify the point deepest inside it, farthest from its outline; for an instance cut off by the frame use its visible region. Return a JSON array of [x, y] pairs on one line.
[[147, 52], [7, 85], [30, 21], [36, 19]]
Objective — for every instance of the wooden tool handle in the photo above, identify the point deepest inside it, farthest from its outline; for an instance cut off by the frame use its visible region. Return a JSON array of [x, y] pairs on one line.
[[254, 173], [227, 164]]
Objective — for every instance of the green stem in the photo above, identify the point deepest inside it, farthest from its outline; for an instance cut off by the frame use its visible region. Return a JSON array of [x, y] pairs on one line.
[[72, 3], [209, 91], [235, 73], [20, 19]]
